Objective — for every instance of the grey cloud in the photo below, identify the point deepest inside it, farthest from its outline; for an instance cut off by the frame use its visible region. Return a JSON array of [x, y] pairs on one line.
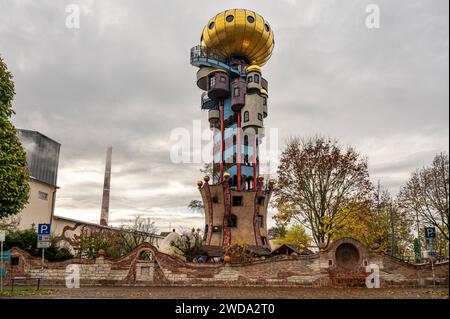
[[124, 79]]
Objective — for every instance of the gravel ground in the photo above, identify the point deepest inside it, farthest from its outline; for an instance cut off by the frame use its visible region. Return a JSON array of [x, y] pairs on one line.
[[244, 292]]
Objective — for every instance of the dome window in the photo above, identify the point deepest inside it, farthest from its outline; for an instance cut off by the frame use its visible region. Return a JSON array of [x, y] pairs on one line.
[[211, 25], [230, 18], [250, 19]]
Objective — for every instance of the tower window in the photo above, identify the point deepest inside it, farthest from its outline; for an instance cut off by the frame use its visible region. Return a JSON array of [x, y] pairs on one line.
[[222, 79], [232, 221], [237, 200], [261, 221], [245, 139], [246, 119], [260, 117], [215, 199], [256, 78], [212, 82], [250, 79], [264, 100], [237, 91], [250, 19], [216, 229], [230, 18]]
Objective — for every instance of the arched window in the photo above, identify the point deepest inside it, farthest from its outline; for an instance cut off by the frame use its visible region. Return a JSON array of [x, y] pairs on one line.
[[246, 140], [246, 116], [232, 221], [256, 78]]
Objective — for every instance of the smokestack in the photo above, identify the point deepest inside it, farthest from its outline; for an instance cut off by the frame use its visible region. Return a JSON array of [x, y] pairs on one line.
[[106, 187]]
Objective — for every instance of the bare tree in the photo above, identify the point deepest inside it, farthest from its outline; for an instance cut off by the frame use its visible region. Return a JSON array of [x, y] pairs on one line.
[[426, 194], [196, 205], [317, 183], [142, 230]]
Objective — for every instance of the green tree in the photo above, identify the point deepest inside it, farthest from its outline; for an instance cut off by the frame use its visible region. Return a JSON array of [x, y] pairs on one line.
[[379, 223], [279, 230], [27, 240], [14, 187], [295, 235]]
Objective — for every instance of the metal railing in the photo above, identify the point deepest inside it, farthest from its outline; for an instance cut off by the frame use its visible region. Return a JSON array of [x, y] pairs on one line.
[[212, 54]]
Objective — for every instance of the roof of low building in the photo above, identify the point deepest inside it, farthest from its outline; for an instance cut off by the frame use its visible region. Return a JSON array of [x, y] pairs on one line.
[[292, 248], [258, 250]]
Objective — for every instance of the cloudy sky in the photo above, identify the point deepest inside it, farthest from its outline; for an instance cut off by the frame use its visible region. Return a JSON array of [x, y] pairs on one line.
[[124, 79]]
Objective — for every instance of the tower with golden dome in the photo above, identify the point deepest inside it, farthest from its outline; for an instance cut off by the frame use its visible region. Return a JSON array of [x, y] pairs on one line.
[[234, 45]]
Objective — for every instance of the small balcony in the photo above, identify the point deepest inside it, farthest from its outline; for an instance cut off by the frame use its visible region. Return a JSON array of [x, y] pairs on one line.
[[207, 103], [200, 54]]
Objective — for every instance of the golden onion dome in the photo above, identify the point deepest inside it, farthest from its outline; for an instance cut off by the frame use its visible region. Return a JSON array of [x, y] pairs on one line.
[[240, 32]]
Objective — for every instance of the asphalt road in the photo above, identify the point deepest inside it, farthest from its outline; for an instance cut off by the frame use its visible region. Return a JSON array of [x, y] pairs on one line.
[[243, 293]]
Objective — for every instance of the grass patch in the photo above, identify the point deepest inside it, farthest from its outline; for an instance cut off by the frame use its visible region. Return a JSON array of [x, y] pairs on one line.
[[25, 292]]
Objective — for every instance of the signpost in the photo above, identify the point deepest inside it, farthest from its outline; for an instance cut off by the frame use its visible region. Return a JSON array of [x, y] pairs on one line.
[[2, 239], [43, 238], [430, 244]]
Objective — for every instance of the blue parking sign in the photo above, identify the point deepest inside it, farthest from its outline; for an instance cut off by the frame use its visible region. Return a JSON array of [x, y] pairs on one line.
[[44, 229], [430, 232]]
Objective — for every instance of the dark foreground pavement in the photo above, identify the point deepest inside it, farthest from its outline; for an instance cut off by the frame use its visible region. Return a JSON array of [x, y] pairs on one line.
[[242, 292]]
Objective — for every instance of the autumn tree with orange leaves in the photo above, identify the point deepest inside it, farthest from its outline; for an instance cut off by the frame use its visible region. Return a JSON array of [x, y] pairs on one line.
[[319, 184]]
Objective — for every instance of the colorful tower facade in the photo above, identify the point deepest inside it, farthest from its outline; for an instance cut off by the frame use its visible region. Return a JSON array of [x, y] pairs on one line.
[[234, 45]]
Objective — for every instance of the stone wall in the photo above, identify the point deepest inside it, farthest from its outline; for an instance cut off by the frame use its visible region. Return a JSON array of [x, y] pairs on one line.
[[147, 266]]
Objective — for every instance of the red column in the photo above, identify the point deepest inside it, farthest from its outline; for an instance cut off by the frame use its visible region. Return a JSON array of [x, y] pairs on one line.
[[213, 152], [255, 153], [222, 141], [238, 150]]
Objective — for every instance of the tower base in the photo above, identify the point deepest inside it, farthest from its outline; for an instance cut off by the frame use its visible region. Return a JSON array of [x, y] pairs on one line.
[[235, 216]]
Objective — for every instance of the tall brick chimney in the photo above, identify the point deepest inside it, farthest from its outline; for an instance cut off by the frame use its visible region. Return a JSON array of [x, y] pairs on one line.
[[106, 188]]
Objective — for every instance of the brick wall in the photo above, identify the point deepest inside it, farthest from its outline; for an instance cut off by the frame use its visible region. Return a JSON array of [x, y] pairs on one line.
[[147, 266]]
